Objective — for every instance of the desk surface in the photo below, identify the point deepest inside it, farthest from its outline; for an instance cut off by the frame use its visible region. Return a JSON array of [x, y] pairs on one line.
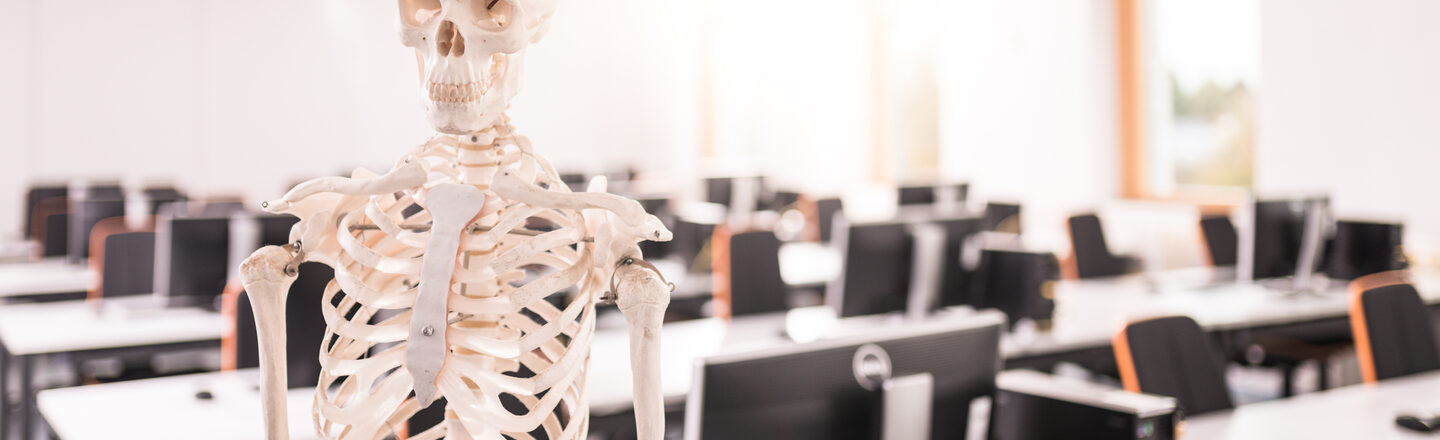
[[1353, 412], [66, 326], [38, 277], [14, 249], [166, 408]]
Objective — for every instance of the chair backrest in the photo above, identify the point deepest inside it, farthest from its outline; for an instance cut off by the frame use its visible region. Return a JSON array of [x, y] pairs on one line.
[[50, 225], [128, 264], [304, 327], [755, 282], [1220, 239], [33, 198], [1002, 217], [825, 211], [1392, 327], [1172, 356], [1092, 256]]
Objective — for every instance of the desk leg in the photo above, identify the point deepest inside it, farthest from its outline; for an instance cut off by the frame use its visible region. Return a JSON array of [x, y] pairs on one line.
[[27, 396]]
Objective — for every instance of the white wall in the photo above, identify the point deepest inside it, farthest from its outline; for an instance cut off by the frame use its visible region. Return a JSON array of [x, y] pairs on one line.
[[1350, 104], [1028, 107], [245, 97]]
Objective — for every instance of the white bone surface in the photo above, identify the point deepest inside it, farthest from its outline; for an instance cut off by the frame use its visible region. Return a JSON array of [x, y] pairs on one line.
[[487, 294], [490, 262]]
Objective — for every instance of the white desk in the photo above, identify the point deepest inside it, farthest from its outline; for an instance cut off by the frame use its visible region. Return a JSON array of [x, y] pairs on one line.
[[39, 277], [166, 408], [1353, 412], [28, 331], [13, 249]]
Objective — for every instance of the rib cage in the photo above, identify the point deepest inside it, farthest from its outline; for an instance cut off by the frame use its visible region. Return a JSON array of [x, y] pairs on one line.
[[504, 338]]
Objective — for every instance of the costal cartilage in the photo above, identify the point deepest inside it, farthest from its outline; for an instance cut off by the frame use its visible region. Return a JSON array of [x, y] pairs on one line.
[[451, 207]]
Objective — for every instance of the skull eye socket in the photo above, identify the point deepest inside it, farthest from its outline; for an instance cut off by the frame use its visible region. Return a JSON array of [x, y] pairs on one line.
[[419, 12], [492, 15]]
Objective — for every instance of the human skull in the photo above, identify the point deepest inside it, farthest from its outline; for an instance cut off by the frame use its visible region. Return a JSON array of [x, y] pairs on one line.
[[470, 52]]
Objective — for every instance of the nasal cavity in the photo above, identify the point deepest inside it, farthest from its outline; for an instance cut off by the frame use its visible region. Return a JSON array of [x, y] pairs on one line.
[[448, 40]]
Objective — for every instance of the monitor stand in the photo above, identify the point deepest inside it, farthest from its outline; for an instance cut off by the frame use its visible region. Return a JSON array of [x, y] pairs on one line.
[[906, 407]]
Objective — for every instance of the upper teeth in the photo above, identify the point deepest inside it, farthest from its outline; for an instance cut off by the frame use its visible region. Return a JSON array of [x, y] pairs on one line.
[[467, 92]]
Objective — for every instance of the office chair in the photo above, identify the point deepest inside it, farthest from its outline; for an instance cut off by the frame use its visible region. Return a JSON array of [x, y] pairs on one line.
[[33, 197], [1092, 257], [1220, 239], [304, 327], [1394, 335], [1002, 217], [754, 274], [825, 211], [50, 225], [1173, 357], [122, 258]]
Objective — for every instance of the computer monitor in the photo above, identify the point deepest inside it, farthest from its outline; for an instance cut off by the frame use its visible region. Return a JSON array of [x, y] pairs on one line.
[[916, 195], [129, 265], [876, 269], [1018, 283], [192, 260], [1361, 248], [32, 200], [833, 389], [961, 254], [157, 196], [84, 214], [1279, 231]]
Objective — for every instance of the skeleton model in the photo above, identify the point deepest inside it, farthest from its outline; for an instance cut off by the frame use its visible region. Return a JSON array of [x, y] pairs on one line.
[[462, 281]]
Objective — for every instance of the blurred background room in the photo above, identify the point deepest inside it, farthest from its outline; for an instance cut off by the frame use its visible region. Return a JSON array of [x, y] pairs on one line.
[[1223, 190]]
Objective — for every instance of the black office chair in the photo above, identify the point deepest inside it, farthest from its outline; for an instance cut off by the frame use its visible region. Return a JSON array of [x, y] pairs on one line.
[[1220, 239], [304, 327], [1173, 357], [825, 211], [1394, 335], [1002, 217], [1092, 257], [755, 282], [56, 235], [33, 198], [1019, 283]]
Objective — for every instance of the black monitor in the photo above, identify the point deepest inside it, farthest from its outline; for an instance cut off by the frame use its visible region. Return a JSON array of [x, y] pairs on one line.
[[157, 196], [84, 214], [1279, 232], [129, 267], [956, 280], [32, 200], [1018, 283], [916, 195], [833, 389], [1002, 217], [1362, 248], [192, 260], [718, 189], [876, 271]]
